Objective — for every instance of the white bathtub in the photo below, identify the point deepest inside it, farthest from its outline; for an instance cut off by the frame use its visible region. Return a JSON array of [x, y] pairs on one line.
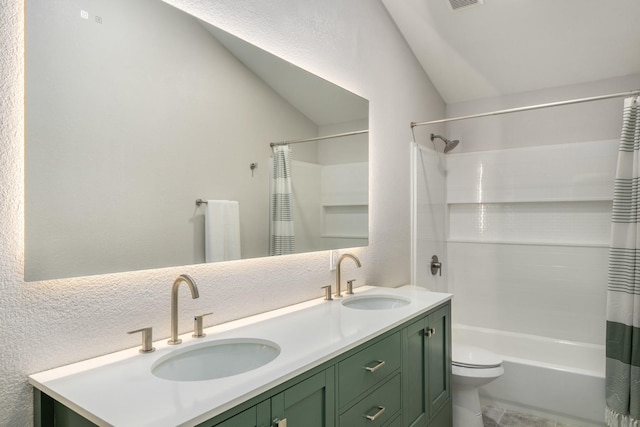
[[563, 380]]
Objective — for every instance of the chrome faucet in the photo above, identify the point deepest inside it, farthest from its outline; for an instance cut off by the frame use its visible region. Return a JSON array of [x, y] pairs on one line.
[[342, 257], [174, 304]]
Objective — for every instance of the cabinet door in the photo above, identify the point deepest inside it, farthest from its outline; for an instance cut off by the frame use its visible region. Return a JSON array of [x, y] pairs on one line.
[[414, 409], [256, 416], [426, 367], [307, 404], [243, 419], [438, 338]]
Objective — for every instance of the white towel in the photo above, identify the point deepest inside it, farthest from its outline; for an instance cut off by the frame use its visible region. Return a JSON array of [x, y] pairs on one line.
[[222, 230]]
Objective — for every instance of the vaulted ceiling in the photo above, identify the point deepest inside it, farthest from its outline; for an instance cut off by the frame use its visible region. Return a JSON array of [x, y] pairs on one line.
[[510, 46]]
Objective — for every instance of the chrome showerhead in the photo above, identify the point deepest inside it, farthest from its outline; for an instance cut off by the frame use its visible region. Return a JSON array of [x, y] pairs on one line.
[[448, 144]]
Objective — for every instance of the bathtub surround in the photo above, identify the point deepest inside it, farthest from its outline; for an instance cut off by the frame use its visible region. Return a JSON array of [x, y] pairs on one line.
[[522, 252], [623, 296], [528, 239], [531, 236], [353, 43]]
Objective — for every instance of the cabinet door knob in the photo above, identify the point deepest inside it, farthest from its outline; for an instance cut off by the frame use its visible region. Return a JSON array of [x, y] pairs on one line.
[[379, 365], [429, 332], [380, 411]]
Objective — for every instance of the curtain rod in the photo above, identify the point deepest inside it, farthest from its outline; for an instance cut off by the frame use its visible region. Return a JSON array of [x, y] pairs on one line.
[[338, 135], [531, 107]]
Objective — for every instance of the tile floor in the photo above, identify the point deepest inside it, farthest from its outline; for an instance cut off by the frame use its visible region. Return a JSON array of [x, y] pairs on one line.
[[499, 417]]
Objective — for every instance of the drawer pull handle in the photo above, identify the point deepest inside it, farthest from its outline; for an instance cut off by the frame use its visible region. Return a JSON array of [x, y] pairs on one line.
[[376, 415], [375, 368]]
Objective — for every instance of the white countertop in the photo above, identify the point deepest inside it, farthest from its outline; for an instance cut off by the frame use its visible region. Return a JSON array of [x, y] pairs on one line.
[[119, 389]]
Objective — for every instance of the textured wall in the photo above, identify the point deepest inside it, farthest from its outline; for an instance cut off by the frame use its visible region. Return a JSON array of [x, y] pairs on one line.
[[51, 323]]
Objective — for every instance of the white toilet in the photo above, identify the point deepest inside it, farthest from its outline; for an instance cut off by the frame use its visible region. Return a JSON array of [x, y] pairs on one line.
[[472, 367]]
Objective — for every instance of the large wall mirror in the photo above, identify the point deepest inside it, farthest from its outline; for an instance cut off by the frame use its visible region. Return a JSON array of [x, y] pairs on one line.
[[135, 109]]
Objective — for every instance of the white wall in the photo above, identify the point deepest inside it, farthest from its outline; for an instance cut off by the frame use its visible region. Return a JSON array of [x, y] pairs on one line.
[[51, 323], [592, 121], [530, 219]]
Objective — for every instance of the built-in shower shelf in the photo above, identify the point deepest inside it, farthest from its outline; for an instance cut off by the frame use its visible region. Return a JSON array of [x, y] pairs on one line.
[[581, 171], [330, 205], [515, 200], [345, 221], [532, 243], [547, 223], [345, 236]]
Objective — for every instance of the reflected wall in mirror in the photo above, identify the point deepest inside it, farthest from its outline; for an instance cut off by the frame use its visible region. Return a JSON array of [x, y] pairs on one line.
[[136, 109]]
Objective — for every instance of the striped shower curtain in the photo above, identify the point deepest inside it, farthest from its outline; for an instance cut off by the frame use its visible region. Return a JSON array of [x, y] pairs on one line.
[[623, 296], [282, 238]]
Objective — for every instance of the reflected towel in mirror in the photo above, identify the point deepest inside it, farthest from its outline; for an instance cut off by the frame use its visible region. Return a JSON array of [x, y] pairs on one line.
[[222, 230]]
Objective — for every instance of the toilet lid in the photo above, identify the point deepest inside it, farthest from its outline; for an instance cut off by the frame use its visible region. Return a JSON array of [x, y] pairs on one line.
[[474, 357]]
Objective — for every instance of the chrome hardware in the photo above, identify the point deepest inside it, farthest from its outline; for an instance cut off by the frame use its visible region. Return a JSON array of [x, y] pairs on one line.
[[253, 166], [198, 325], [342, 257], [280, 423], [436, 266], [350, 287], [147, 340], [174, 304], [319, 138], [380, 411], [429, 332], [327, 293], [375, 368], [529, 108]]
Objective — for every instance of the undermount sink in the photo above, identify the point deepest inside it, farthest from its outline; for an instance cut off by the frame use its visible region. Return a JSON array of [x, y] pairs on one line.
[[215, 359], [375, 302]]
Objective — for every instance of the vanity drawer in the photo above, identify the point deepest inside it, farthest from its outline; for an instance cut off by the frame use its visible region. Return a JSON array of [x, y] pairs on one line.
[[366, 368], [381, 405]]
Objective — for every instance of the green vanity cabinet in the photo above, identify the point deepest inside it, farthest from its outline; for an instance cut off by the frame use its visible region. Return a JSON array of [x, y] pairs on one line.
[[256, 416], [308, 403], [400, 378], [426, 370], [369, 384]]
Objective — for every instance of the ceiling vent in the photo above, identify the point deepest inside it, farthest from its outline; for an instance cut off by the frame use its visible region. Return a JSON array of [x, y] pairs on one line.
[[463, 4]]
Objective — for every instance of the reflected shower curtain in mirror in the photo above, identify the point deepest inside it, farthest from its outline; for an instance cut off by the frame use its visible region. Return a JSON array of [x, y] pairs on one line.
[[282, 239], [623, 296]]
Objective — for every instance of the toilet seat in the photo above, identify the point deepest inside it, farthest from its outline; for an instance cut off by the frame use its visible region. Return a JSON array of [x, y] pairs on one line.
[[471, 368], [464, 374], [466, 356]]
